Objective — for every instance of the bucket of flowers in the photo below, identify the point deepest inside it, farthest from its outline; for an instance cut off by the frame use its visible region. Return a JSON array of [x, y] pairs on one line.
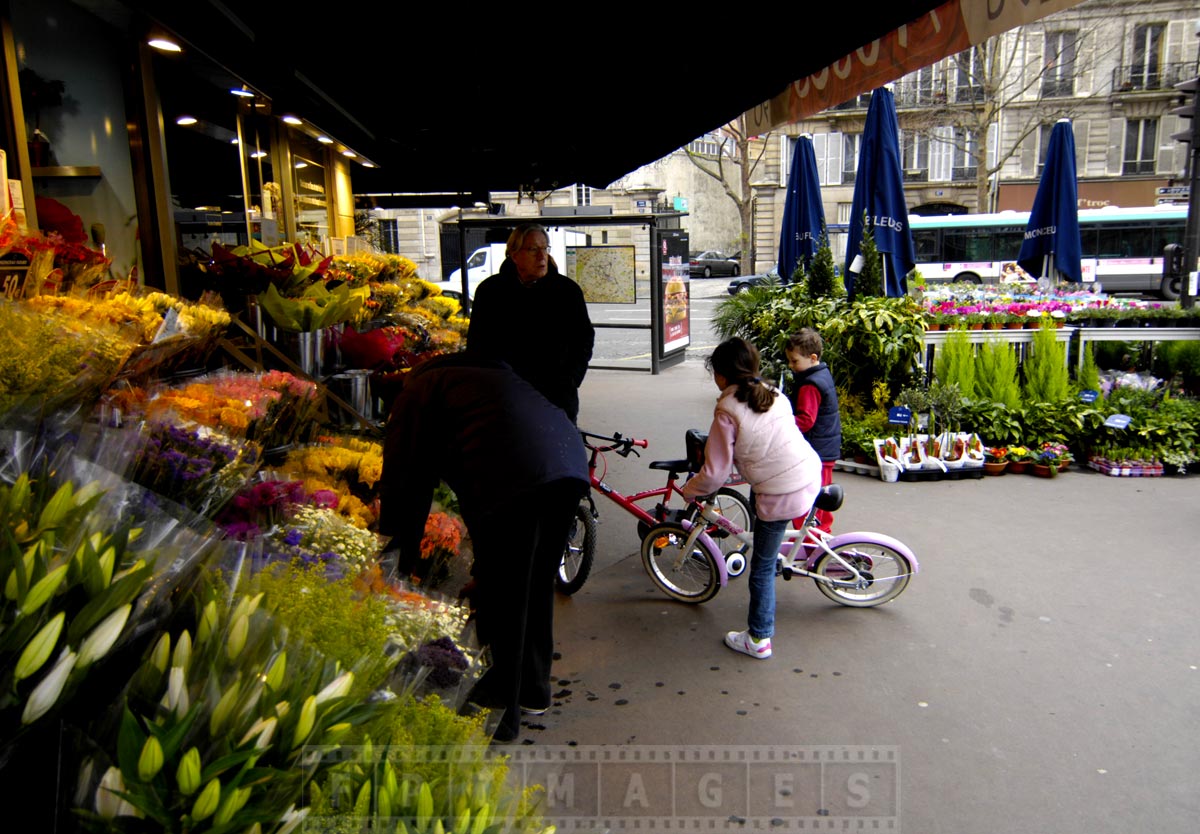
[[995, 460]]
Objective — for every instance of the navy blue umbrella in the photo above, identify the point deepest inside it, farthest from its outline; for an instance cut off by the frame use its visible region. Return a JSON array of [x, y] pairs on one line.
[[803, 215], [1051, 246], [879, 194]]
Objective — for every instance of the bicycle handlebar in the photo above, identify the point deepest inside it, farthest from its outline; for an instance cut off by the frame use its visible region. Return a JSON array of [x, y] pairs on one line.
[[623, 446]]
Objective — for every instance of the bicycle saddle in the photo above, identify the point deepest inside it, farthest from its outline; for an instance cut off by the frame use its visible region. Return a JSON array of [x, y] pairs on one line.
[[830, 497], [674, 466]]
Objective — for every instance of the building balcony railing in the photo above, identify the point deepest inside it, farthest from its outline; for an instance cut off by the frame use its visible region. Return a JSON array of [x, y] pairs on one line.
[[1136, 78], [914, 93], [959, 173]]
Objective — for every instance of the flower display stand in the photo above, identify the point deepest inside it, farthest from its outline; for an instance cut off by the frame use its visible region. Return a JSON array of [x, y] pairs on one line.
[[915, 463], [1125, 468]]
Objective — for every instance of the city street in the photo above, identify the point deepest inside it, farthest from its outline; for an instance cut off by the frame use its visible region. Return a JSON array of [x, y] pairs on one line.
[[1039, 674], [630, 348]]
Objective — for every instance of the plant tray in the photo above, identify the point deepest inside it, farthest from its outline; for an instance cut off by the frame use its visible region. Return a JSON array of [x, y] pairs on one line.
[[972, 473], [1117, 471], [868, 469]]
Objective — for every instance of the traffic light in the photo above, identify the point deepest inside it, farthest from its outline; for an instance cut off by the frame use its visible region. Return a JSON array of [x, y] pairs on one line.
[[1187, 110]]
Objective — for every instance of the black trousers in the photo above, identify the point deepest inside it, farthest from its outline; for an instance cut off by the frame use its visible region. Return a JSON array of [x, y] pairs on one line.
[[518, 547]]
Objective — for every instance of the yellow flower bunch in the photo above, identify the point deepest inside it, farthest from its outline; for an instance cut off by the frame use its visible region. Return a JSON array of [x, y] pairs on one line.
[[443, 305], [135, 322], [349, 506]]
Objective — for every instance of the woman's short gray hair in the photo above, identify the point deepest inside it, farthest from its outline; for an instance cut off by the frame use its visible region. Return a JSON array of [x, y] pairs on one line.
[[517, 239]]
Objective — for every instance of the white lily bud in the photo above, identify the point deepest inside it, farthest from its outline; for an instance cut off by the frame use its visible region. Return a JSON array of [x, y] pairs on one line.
[[224, 708], [187, 775], [150, 762], [182, 655], [47, 691], [277, 672], [107, 802], [308, 717], [208, 623], [291, 819], [97, 644], [177, 699], [161, 655], [206, 803], [339, 687], [237, 637], [38, 650], [265, 728], [43, 589]]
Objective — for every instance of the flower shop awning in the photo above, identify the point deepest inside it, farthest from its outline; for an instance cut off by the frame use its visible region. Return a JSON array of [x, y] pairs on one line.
[[469, 99]]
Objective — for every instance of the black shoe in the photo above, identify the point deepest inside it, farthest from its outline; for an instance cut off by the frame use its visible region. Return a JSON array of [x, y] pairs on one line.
[[505, 733], [533, 710]]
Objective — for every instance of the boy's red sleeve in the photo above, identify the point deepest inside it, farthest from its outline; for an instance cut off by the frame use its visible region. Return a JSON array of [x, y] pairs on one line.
[[808, 403]]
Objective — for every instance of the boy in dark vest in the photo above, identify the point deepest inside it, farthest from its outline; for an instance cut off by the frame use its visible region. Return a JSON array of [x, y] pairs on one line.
[[815, 403]]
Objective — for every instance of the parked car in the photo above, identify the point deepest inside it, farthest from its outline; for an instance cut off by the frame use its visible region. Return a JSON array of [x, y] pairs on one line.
[[710, 263], [745, 282]]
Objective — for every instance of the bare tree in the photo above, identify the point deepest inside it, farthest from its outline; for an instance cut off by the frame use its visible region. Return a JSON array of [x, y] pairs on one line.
[[733, 167], [1027, 77]]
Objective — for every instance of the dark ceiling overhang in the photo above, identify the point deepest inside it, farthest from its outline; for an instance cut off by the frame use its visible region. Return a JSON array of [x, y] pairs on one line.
[[467, 100]]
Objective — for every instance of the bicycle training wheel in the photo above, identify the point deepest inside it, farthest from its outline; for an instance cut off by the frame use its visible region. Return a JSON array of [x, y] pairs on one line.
[[735, 507], [885, 574], [578, 555], [687, 577]]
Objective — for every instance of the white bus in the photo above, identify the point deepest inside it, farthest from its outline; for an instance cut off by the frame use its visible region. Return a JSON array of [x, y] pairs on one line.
[[1122, 247]]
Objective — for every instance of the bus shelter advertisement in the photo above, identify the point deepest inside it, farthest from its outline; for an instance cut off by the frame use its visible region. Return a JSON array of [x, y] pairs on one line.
[[675, 307]]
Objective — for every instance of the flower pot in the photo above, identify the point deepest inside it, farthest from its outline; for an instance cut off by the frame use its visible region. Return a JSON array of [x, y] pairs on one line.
[[890, 472], [1014, 325], [996, 468], [1016, 467], [1043, 471], [978, 325]]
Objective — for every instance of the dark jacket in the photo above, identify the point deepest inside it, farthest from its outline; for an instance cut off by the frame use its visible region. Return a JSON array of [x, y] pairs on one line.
[[542, 330], [483, 430], [825, 436]]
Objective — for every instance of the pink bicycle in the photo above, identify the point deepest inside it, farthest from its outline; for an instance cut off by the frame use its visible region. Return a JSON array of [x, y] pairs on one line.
[[581, 545]]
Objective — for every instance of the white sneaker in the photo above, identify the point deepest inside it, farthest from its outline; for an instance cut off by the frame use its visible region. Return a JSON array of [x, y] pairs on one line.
[[741, 641]]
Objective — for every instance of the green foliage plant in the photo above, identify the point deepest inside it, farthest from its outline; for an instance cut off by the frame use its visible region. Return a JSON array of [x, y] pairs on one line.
[[820, 278], [869, 283], [955, 363], [1047, 379], [997, 375], [1088, 377]]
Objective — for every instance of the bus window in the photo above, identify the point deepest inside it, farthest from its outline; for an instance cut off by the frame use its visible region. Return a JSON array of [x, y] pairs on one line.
[[1008, 243], [925, 245], [1138, 242], [967, 245], [1165, 233]]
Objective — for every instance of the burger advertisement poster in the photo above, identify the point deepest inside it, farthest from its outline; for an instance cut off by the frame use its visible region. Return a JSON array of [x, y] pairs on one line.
[[675, 306]]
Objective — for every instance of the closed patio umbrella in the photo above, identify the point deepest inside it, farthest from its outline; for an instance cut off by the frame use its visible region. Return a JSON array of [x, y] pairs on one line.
[[1052, 248], [803, 215], [879, 194]]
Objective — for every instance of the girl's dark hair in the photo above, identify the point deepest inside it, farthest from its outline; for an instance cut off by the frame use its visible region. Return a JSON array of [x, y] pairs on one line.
[[737, 361]]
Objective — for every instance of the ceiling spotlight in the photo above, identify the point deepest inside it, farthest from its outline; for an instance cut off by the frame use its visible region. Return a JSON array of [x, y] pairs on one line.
[[300, 165], [258, 154], [293, 120], [368, 163], [164, 45], [349, 153], [243, 92], [324, 140], [233, 141], [184, 121]]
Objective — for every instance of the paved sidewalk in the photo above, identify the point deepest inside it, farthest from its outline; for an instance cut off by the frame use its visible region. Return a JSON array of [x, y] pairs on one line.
[[1039, 674]]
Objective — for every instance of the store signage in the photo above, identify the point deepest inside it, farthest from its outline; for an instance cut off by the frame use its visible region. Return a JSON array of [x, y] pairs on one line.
[[900, 415], [1117, 421], [1173, 191], [1089, 395]]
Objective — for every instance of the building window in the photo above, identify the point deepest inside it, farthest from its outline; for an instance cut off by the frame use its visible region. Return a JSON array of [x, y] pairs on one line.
[[969, 83], [583, 195], [389, 236], [850, 145], [914, 156], [1147, 52], [706, 145], [1141, 139], [1043, 146], [965, 155], [1058, 77]]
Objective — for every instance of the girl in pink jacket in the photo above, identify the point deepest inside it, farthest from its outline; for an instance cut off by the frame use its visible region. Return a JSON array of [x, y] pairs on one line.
[[754, 430]]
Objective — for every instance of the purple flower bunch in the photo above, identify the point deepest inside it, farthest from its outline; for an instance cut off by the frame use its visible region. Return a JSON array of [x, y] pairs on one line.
[[192, 467]]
